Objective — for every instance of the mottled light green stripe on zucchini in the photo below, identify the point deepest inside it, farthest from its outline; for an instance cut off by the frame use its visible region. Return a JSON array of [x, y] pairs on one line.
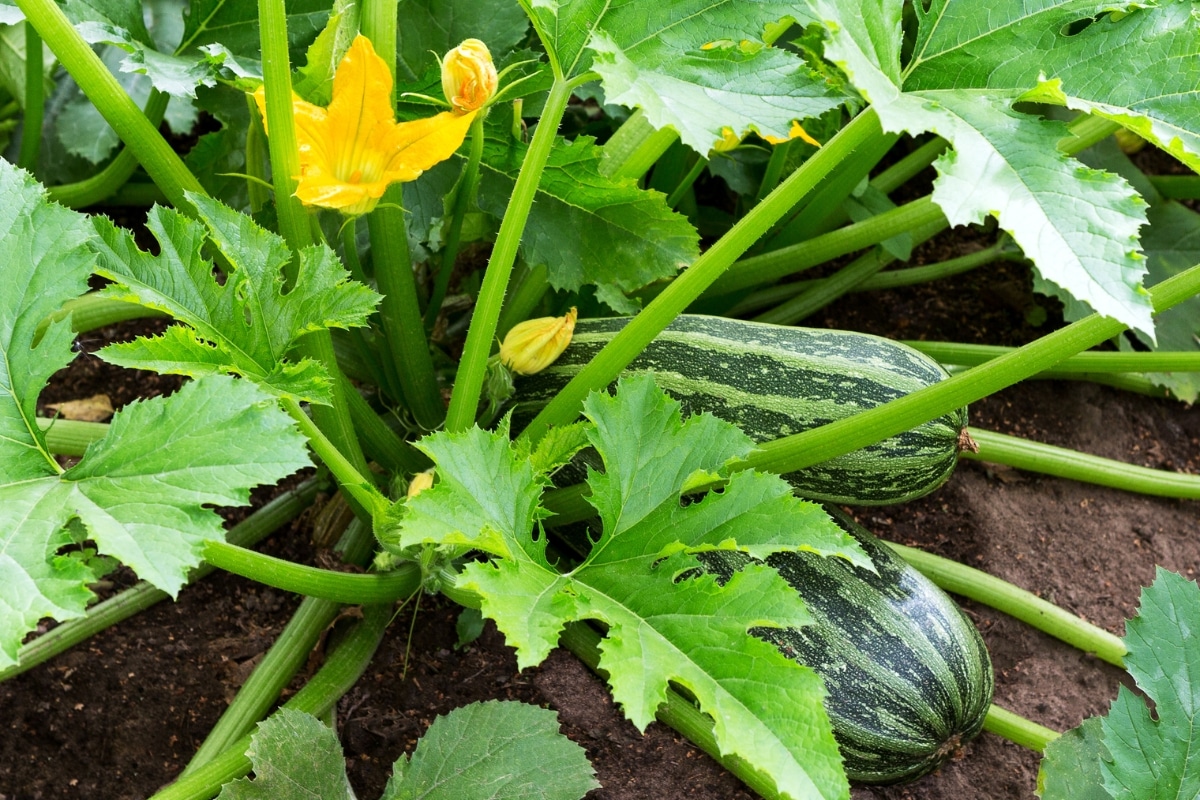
[[908, 676], [774, 381]]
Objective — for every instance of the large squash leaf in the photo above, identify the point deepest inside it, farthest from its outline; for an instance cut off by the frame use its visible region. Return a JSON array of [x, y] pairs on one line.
[[1079, 226], [665, 622], [144, 493]]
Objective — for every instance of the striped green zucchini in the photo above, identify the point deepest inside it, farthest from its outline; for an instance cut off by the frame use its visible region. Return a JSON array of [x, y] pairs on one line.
[[908, 676], [774, 380]]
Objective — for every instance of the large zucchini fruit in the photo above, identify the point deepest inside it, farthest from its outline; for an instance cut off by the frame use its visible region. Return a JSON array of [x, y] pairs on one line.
[[908, 676], [775, 380]]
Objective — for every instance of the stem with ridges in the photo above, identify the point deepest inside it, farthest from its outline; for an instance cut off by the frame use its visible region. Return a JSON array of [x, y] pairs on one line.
[[102, 88], [997, 448], [35, 98], [337, 675], [142, 595], [1016, 602], [1017, 729], [349, 477], [464, 197], [338, 587], [686, 182], [635, 147], [828, 290], [294, 224], [677, 296], [1087, 362], [472, 369], [876, 424]]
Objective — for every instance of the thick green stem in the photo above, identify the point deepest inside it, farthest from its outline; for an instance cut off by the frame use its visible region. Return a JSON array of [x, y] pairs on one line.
[[340, 587], [1016, 602], [907, 168], [685, 183], [354, 481], [642, 329], [294, 224], [849, 434], [1017, 729], [464, 198], [635, 148], [102, 88], [828, 290], [282, 143], [381, 442], [35, 98], [1089, 362], [340, 671], [142, 595], [1062, 462], [468, 384], [108, 181], [770, 267], [67, 437], [908, 276], [400, 311]]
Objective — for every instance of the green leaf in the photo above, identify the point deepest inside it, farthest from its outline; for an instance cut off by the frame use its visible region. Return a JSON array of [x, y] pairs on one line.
[[587, 228], [1159, 755], [315, 79], [295, 757], [145, 493], [665, 622], [1131, 751], [1070, 768], [234, 25], [246, 325], [701, 66], [1079, 226], [44, 262], [1125, 65], [1172, 245], [564, 26], [494, 749], [430, 28]]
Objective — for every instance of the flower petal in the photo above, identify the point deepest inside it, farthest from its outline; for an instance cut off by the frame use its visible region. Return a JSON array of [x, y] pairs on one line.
[[420, 144], [360, 112]]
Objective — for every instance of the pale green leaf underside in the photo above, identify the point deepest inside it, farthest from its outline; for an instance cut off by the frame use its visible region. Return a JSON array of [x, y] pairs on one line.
[[145, 494], [587, 228], [1136, 69], [493, 751], [1158, 756], [247, 325], [700, 66], [295, 757], [665, 624], [1079, 226]]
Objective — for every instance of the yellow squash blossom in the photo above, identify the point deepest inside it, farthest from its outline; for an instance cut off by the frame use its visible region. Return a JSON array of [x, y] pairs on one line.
[[534, 344], [468, 76], [352, 150]]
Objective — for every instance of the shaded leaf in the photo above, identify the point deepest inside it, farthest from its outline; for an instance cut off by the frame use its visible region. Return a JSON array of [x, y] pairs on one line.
[[295, 757]]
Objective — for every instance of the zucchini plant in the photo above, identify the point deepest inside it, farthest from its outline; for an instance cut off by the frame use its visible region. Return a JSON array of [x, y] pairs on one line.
[[318, 253]]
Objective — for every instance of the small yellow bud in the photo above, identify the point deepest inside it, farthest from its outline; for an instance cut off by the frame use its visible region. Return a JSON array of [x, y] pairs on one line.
[[468, 76], [420, 482], [534, 344]]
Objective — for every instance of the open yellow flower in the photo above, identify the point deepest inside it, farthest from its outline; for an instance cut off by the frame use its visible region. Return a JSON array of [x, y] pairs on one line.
[[352, 150]]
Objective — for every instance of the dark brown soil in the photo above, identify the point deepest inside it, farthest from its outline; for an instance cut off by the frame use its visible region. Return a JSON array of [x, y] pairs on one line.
[[120, 715]]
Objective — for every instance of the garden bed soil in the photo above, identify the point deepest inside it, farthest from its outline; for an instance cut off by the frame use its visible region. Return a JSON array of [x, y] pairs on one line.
[[119, 716]]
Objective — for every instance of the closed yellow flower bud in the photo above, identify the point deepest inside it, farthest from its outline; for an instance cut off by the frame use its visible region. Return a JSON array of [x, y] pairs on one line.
[[420, 482], [534, 344], [468, 76]]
